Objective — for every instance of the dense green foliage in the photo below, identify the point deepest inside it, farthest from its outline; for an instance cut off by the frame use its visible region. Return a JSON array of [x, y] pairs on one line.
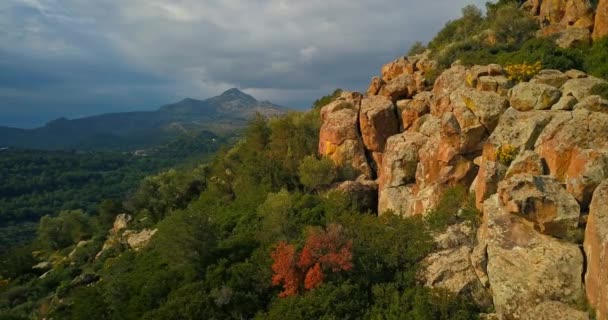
[[36, 183], [217, 226], [506, 35]]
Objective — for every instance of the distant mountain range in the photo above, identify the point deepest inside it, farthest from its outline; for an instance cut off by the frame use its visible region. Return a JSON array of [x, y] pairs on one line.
[[133, 130]]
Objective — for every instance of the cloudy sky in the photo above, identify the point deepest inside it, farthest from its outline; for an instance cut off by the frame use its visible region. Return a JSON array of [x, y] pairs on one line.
[[79, 57]]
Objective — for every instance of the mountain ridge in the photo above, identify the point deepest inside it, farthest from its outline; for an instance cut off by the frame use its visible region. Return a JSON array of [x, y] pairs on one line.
[[123, 131]]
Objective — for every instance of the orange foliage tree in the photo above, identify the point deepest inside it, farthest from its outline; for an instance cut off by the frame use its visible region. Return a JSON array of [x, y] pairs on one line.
[[325, 251]]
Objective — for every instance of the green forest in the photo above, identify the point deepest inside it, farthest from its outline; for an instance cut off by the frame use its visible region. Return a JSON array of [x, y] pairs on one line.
[[36, 183], [254, 231]]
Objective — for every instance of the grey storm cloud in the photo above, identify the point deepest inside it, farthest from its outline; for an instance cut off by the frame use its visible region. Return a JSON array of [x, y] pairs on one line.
[[81, 57]]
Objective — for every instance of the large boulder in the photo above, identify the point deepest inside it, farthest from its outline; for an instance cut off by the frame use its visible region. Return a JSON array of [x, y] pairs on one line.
[[527, 96], [412, 111], [486, 106], [120, 223], [527, 162], [542, 201], [601, 20], [450, 80], [378, 121], [398, 170], [553, 310], [572, 146], [451, 267], [517, 130], [138, 240], [374, 86], [340, 141], [554, 78], [397, 68], [363, 193], [401, 159], [486, 183], [573, 37], [401, 87], [524, 267], [593, 103], [581, 87], [596, 250]]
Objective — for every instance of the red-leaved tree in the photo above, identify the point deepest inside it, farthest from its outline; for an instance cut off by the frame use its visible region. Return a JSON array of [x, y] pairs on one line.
[[325, 251]]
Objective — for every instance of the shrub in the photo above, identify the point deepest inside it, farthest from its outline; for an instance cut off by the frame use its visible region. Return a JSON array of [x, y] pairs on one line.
[[454, 206], [325, 100], [600, 89], [522, 72], [506, 154], [315, 173], [66, 229], [596, 59], [416, 48]]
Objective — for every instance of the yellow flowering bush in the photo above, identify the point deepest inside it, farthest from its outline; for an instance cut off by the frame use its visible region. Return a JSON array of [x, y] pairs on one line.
[[523, 71], [506, 154]]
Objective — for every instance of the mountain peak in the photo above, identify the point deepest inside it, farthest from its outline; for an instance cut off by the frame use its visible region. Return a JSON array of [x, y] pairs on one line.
[[235, 93]]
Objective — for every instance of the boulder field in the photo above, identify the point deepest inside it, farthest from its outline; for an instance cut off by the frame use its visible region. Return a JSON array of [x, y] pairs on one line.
[[534, 155], [570, 22]]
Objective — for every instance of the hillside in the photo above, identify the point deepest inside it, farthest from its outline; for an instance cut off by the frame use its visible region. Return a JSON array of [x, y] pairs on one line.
[[470, 181], [128, 131]]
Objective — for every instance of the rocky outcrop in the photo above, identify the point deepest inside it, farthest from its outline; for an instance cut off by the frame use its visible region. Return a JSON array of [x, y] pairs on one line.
[[532, 154], [138, 240], [569, 21], [542, 201], [573, 146], [525, 268], [601, 20], [596, 250], [398, 170], [362, 192], [378, 121], [120, 237], [533, 96], [552, 310], [340, 140], [451, 267]]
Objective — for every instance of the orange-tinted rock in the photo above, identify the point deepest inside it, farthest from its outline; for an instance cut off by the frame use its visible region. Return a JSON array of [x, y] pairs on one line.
[[486, 183], [541, 200], [374, 86], [378, 121], [587, 168], [601, 20], [397, 68], [528, 162], [401, 87], [339, 139], [563, 146], [596, 250], [413, 111], [450, 80]]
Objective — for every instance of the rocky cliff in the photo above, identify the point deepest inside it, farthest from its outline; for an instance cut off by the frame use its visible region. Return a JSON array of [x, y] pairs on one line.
[[570, 21], [534, 155]]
